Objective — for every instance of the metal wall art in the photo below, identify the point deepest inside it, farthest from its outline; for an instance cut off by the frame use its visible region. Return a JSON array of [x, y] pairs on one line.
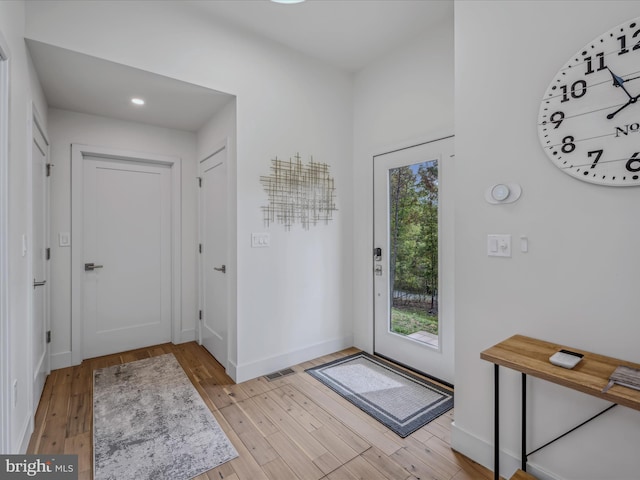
[[298, 193]]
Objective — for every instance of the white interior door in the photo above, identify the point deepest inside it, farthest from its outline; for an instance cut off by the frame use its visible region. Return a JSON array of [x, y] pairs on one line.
[[127, 255], [213, 258], [39, 312], [413, 270]]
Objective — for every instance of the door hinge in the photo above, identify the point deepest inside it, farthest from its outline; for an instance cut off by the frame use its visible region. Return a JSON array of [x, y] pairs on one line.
[[48, 253], [49, 165], [199, 181], [200, 248], [48, 336], [200, 315]]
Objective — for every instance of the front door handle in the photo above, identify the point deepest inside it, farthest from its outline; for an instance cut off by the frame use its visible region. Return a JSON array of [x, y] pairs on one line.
[[89, 267], [38, 284], [222, 269]]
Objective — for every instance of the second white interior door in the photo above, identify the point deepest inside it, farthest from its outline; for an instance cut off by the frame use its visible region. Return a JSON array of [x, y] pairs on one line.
[[213, 259], [127, 238]]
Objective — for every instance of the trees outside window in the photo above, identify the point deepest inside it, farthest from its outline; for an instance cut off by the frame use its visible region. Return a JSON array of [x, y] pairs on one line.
[[413, 254]]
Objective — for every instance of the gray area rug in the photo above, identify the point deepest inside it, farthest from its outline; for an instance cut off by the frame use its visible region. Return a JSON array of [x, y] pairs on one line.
[[149, 422], [401, 401]]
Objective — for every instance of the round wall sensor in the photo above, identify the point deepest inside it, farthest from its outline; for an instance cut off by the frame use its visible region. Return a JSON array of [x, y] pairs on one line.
[[503, 193], [500, 192]]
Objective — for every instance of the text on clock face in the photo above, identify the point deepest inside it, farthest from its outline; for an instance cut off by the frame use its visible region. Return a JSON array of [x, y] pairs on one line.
[[626, 129]]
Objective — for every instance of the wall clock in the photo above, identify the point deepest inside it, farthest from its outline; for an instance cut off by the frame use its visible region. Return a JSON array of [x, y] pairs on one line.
[[589, 120]]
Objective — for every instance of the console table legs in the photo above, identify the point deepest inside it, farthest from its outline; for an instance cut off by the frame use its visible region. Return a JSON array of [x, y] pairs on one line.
[[496, 419], [524, 423], [496, 425]]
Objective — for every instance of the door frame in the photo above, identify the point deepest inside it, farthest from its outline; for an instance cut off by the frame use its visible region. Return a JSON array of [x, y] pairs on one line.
[[217, 148], [445, 225], [78, 154], [5, 343]]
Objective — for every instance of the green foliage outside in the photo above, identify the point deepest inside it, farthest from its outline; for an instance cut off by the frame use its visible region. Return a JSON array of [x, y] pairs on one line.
[[413, 211]]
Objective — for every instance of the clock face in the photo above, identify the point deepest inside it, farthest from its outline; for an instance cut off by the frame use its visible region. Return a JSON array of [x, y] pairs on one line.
[[589, 120]]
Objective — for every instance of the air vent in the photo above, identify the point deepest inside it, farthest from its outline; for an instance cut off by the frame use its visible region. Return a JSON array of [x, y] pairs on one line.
[[281, 373]]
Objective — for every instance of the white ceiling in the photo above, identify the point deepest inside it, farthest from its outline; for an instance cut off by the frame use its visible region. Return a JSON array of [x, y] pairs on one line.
[[347, 34], [85, 84]]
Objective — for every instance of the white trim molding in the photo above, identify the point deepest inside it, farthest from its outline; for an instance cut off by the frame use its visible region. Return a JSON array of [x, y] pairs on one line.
[[481, 452], [78, 154], [5, 344]]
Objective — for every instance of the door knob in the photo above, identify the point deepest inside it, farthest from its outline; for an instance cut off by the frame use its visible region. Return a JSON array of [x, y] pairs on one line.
[[89, 267], [222, 269], [38, 284]]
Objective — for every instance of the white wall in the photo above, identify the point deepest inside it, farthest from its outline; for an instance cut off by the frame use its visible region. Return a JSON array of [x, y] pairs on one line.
[[24, 92], [66, 128], [403, 98], [294, 298], [578, 283]]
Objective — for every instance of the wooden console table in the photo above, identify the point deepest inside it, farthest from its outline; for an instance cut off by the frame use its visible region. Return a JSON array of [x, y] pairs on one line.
[[530, 356]]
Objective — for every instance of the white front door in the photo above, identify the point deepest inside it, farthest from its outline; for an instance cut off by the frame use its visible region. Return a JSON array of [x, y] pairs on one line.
[[39, 313], [213, 258], [413, 268], [127, 295]]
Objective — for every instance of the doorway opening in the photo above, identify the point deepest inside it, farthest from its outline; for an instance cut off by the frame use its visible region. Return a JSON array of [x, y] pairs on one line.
[[413, 257]]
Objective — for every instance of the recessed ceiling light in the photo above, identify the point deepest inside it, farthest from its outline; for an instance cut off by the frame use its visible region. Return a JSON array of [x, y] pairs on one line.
[[287, 1], [137, 101]]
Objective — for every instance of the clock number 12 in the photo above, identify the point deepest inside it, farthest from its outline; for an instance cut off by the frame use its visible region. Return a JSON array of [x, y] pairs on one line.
[[623, 43]]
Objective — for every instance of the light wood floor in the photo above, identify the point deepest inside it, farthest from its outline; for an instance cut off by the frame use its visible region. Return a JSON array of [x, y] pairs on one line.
[[288, 429]]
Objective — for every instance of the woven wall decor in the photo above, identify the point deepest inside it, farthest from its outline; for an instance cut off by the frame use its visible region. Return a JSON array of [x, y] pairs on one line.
[[298, 193]]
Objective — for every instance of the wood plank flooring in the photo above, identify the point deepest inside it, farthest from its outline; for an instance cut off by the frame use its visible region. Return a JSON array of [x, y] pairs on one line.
[[292, 428]]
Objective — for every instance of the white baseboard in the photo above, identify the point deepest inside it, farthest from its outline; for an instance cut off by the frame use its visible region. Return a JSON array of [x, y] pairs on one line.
[[232, 370], [60, 360], [481, 452], [187, 335], [25, 435], [272, 364]]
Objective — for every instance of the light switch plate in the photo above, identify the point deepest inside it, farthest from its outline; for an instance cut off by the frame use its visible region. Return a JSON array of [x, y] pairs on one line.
[[64, 239], [260, 240], [499, 245]]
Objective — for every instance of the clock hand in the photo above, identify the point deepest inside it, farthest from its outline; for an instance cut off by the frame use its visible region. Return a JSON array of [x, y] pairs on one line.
[[619, 82], [631, 101]]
